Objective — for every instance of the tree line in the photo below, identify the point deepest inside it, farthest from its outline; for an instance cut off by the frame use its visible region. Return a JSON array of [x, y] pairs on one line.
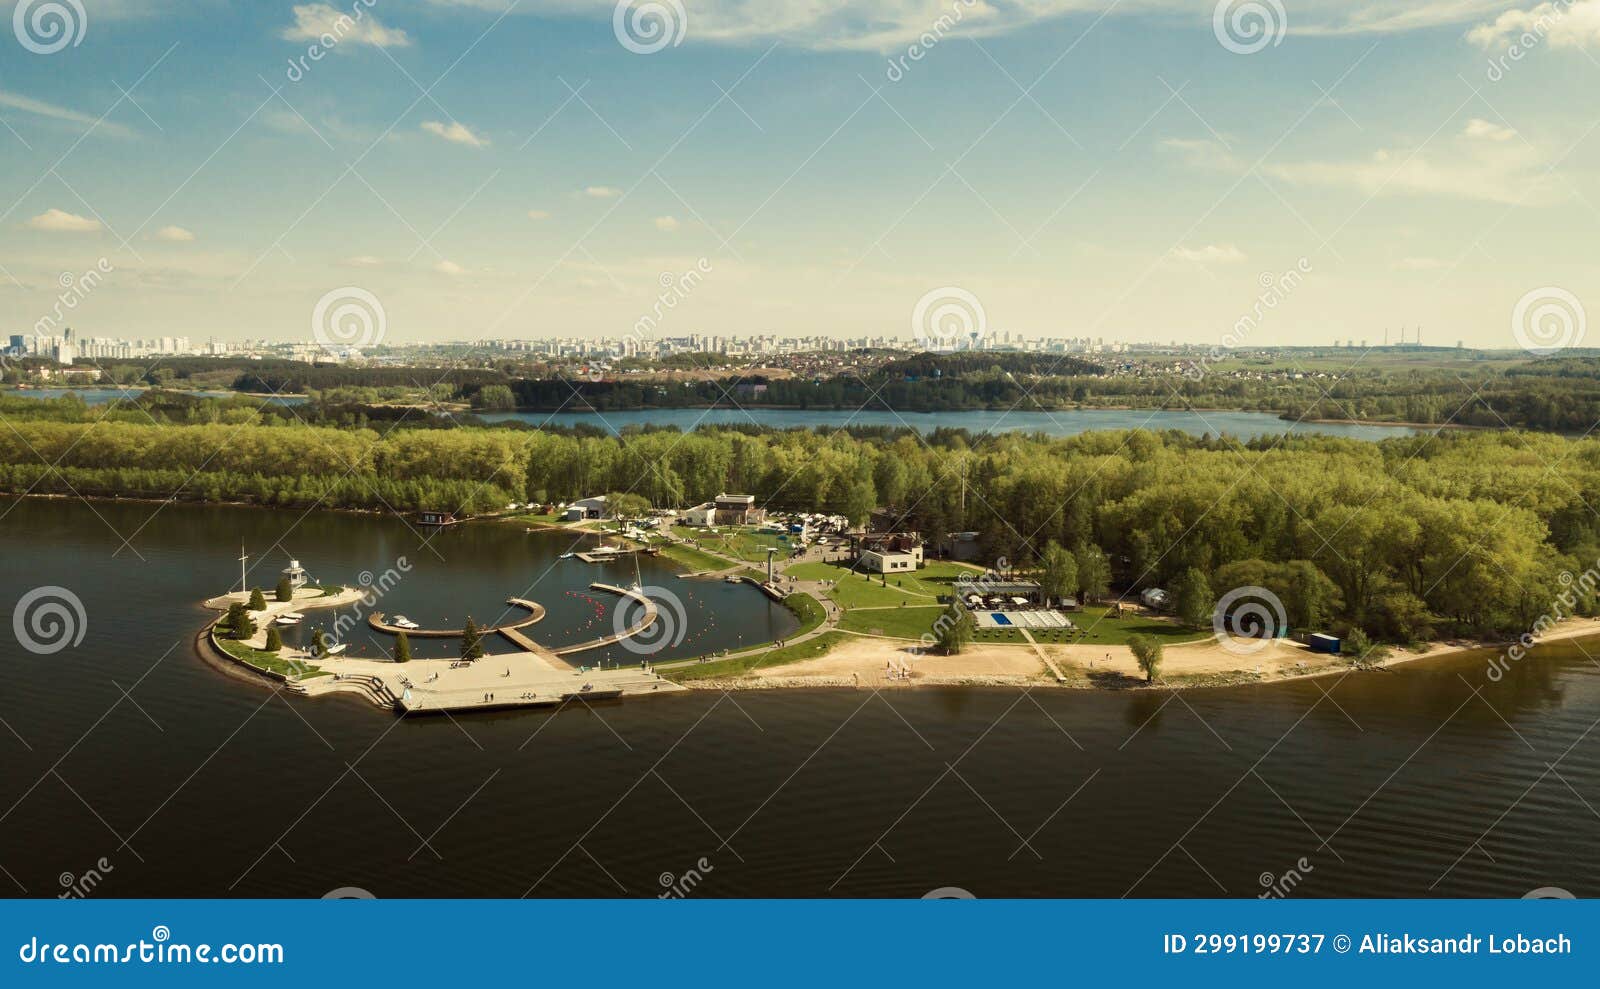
[[1460, 532]]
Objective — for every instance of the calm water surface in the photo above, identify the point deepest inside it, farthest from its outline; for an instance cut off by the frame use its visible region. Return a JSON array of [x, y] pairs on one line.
[[193, 784], [1245, 425]]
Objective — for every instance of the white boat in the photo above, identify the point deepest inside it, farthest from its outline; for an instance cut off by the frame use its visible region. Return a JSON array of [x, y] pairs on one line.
[[289, 618], [568, 556], [335, 650], [401, 621]]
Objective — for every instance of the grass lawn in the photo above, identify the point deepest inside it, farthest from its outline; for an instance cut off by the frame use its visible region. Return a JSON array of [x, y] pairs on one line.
[[739, 665], [743, 543], [807, 609], [900, 623], [865, 591], [931, 581], [270, 661], [694, 559], [1100, 630]]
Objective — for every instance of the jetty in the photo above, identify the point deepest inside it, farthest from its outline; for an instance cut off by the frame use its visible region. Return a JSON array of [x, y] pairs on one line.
[[646, 619], [535, 615], [536, 676]]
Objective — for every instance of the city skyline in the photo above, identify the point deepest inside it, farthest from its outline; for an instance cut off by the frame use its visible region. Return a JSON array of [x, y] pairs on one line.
[[1134, 171]]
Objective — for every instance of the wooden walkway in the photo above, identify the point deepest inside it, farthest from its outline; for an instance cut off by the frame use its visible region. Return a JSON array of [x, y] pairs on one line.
[[528, 645], [651, 613], [535, 614]]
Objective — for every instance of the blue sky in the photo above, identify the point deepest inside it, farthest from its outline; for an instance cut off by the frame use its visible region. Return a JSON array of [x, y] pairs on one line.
[[1113, 170]]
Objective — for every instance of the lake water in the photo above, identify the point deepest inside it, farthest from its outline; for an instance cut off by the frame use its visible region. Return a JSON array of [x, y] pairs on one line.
[[187, 783], [1245, 425], [101, 396]]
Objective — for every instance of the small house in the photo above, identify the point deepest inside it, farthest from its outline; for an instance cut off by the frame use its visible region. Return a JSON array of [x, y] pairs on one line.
[[700, 516], [896, 552], [585, 509], [737, 509], [1155, 598]]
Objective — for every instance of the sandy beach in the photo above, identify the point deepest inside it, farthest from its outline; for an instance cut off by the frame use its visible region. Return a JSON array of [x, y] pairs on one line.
[[873, 662]]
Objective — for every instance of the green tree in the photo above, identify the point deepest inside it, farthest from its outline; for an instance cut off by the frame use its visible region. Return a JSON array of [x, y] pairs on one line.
[[285, 590], [1094, 572], [1193, 598], [402, 648], [1060, 575], [274, 641], [258, 602], [626, 505], [319, 643], [238, 624], [952, 633], [471, 641], [1147, 650]]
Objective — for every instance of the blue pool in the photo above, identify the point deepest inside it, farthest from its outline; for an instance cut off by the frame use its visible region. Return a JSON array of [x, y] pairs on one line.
[[1000, 619]]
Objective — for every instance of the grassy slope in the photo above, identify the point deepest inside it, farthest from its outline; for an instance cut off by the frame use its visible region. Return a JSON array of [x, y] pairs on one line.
[[739, 665]]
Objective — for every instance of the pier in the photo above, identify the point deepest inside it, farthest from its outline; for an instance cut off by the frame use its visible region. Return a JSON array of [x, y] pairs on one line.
[[535, 676], [651, 613], [535, 615]]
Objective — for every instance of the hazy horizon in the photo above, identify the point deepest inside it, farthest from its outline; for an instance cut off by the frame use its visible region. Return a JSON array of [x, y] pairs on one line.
[[1135, 171]]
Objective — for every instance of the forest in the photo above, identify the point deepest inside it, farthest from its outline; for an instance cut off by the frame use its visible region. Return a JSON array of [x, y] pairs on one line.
[[1554, 395], [1463, 532]]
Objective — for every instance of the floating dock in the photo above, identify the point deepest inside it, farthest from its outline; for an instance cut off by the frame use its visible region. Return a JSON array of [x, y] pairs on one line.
[[535, 615]]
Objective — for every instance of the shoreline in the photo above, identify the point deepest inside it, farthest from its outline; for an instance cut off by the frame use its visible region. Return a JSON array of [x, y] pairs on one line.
[[860, 665]]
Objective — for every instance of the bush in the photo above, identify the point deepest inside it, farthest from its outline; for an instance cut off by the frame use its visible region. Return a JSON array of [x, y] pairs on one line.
[[274, 641], [257, 601], [471, 641], [285, 590], [402, 648]]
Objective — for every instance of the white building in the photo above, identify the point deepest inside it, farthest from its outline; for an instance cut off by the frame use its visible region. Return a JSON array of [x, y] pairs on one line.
[[891, 561]]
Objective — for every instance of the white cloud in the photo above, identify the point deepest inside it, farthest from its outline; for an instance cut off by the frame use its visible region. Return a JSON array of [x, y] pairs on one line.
[[362, 261], [1420, 264], [538, 214], [666, 223], [1563, 25], [888, 25], [1210, 254], [602, 192], [449, 268], [62, 222], [322, 23], [28, 104], [1489, 132], [1482, 164], [175, 235], [456, 133]]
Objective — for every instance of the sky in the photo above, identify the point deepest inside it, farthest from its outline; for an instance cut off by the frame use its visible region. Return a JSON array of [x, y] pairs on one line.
[[1136, 170]]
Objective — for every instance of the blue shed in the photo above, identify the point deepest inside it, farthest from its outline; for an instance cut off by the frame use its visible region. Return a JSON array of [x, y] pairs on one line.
[[1322, 642]]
